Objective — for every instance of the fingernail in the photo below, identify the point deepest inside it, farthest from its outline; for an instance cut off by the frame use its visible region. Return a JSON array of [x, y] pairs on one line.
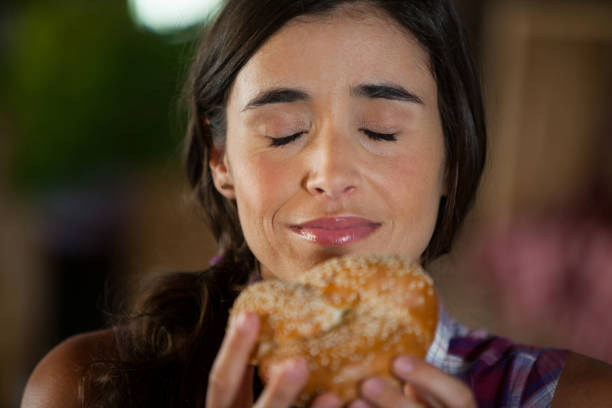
[[359, 404], [242, 322], [372, 387], [329, 400], [295, 369], [403, 365]]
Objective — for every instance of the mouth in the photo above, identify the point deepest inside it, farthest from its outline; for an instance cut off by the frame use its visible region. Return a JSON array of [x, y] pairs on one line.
[[335, 231]]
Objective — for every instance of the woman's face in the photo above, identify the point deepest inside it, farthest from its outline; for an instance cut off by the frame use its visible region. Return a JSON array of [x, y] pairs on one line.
[[334, 144]]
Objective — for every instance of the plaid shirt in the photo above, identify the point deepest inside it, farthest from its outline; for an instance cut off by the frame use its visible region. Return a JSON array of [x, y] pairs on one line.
[[500, 373]]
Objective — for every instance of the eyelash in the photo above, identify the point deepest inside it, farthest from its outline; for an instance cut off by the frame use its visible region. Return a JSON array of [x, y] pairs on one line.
[[282, 141], [388, 137]]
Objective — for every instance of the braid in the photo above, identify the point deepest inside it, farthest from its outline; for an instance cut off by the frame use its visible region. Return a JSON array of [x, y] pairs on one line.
[[168, 342]]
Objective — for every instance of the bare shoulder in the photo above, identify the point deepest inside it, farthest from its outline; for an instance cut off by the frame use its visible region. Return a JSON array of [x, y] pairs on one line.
[[55, 380], [584, 382]]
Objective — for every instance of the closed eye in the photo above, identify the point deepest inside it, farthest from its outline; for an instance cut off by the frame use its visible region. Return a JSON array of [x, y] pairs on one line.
[[389, 137], [285, 140], [282, 141]]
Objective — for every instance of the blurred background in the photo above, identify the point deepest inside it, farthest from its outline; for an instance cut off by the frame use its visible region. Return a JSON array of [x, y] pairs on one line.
[[92, 194]]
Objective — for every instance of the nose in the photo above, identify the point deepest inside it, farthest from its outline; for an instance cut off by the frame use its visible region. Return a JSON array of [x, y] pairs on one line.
[[334, 167]]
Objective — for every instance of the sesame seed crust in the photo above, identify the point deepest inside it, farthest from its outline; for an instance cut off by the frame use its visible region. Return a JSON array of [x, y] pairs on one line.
[[347, 316]]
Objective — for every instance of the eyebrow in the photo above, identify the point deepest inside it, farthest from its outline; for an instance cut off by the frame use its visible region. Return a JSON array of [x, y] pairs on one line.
[[276, 95], [386, 91], [374, 91]]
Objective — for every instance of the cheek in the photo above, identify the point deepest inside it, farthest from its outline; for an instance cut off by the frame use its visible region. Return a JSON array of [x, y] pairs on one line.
[[420, 170], [416, 186], [261, 188]]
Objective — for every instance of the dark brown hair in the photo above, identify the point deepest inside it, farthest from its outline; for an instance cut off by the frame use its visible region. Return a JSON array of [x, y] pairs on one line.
[[171, 337]]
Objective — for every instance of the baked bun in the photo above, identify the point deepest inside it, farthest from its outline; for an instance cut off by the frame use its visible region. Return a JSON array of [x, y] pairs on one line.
[[348, 317]]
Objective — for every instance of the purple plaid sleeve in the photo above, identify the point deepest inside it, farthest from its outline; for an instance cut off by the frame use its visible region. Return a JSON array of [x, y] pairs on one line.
[[502, 374], [499, 372]]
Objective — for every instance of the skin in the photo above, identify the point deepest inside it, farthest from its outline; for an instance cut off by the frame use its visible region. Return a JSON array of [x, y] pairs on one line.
[[333, 168]]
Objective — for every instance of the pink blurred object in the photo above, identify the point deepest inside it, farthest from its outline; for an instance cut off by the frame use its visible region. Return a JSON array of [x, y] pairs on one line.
[[555, 274]]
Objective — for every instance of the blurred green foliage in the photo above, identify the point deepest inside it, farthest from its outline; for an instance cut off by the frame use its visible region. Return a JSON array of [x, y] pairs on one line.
[[88, 93]]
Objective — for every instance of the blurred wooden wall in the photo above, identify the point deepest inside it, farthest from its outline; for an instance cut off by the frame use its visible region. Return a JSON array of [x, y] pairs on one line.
[[548, 94]]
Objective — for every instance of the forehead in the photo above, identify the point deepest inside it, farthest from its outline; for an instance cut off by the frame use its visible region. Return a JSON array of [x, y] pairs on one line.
[[354, 44]]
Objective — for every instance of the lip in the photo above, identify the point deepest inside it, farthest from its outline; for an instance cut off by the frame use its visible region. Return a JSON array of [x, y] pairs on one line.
[[335, 231]]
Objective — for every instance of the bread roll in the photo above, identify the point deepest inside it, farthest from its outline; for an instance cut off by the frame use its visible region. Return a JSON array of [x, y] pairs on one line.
[[348, 317]]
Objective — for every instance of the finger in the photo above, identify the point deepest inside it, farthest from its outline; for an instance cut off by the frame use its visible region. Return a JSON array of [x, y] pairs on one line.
[[359, 403], [245, 395], [432, 382], [327, 400], [230, 366], [422, 398], [410, 391], [385, 395], [286, 381]]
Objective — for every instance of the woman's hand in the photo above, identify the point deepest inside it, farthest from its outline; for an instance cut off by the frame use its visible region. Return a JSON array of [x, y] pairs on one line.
[[230, 384], [424, 386]]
